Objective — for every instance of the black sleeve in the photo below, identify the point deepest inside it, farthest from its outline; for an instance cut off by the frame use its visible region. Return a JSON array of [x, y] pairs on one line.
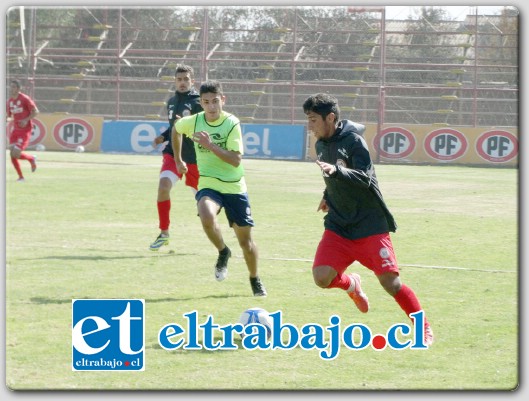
[[360, 172], [166, 134]]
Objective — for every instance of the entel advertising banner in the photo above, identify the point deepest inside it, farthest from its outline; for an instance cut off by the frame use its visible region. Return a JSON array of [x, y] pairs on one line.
[[65, 132], [442, 145], [260, 141], [131, 136]]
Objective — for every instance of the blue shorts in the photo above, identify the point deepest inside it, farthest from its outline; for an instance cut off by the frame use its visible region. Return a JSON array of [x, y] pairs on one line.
[[236, 206]]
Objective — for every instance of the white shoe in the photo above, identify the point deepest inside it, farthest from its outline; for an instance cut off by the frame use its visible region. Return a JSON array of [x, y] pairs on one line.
[[221, 267], [34, 164]]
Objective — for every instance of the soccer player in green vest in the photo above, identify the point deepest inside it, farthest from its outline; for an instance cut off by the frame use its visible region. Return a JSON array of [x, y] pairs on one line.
[[218, 144]]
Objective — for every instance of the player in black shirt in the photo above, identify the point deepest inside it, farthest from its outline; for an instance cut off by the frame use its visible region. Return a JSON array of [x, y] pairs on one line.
[[185, 102], [358, 222]]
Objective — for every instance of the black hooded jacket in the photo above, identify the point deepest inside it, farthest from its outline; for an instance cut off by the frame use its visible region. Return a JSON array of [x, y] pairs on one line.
[[356, 206], [182, 104]]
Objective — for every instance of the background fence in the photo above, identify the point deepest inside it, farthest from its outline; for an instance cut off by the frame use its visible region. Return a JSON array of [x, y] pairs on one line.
[[119, 63]]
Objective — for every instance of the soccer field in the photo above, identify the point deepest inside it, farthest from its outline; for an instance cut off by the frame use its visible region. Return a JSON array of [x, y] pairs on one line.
[[81, 225]]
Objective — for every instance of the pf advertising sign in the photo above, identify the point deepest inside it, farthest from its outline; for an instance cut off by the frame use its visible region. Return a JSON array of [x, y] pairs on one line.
[[497, 146], [65, 132], [445, 144], [395, 143], [455, 145]]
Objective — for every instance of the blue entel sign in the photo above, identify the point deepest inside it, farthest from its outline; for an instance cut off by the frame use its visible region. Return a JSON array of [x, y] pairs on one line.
[[269, 141], [261, 141]]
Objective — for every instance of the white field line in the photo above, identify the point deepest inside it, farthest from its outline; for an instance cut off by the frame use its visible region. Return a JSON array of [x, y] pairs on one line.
[[411, 265]]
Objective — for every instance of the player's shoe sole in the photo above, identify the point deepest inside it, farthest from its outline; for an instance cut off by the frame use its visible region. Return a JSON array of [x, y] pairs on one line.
[[357, 295], [159, 242]]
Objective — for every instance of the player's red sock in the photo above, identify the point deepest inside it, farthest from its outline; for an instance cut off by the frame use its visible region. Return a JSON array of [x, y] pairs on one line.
[[16, 164], [408, 301], [342, 281], [164, 209]]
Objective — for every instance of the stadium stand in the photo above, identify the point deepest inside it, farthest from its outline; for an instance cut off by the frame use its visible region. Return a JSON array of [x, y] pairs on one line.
[[119, 62]]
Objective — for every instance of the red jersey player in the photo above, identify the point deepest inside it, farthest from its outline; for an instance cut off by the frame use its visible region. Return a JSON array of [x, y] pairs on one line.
[[21, 109]]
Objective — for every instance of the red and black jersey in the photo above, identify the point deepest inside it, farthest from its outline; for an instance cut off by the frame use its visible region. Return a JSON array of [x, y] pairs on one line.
[[182, 105], [356, 206]]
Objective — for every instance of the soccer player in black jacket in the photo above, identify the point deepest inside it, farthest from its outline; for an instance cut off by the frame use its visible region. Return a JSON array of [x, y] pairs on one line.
[[185, 102], [358, 222]]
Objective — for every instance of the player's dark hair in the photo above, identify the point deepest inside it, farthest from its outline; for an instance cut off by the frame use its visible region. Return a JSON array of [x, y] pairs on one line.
[[184, 68], [322, 104], [211, 86], [15, 82]]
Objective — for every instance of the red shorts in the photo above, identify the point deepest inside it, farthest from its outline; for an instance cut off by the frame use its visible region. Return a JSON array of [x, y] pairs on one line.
[[374, 252], [20, 138], [169, 165]]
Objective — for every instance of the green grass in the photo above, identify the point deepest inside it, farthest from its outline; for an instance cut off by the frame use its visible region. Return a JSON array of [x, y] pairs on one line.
[[80, 228]]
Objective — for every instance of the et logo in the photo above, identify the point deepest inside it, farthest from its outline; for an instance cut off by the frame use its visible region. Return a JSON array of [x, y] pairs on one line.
[[497, 146], [445, 144], [108, 334], [72, 132], [395, 143]]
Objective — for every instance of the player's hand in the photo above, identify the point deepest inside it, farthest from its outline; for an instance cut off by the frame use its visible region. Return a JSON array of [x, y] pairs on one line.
[[158, 140], [328, 169], [203, 139], [181, 167], [323, 206]]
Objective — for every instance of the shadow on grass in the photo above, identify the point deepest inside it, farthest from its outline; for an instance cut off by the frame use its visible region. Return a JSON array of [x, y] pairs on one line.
[[46, 301]]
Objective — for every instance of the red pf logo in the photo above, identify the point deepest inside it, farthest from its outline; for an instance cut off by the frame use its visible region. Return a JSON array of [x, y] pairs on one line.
[[445, 144], [395, 143], [72, 132], [497, 146]]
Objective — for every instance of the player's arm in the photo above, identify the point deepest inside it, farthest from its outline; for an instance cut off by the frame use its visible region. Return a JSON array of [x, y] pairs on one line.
[[34, 113], [176, 140], [164, 136], [229, 156], [158, 140], [323, 206], [360, 175]]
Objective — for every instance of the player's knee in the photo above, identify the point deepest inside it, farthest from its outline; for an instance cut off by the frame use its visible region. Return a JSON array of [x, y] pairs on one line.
[[247, 245], [390, 282], [322, 283], [208, 220], [321, 276], [164, 186]]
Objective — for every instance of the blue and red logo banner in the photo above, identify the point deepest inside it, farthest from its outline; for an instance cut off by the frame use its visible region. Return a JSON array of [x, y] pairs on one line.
[[108, 334]]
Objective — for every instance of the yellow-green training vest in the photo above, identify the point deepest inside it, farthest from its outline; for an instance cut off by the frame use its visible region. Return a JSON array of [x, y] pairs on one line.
[[226, 133]]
